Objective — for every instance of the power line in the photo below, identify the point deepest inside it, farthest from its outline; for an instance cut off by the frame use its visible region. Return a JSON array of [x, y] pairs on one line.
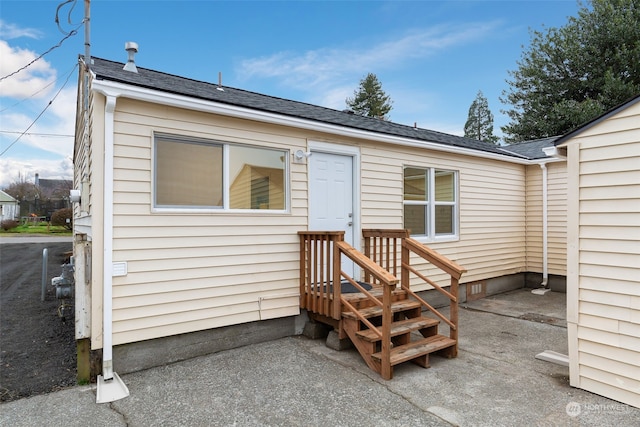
[[30, 96], [41, 113], [72, 33], [59, 135]]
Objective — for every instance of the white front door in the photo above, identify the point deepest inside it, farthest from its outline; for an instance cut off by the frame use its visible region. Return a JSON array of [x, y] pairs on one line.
[[331, 197]]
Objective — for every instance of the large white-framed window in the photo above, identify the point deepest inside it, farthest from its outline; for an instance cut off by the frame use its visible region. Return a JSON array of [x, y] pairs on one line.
[[431, 203], [206, 175]]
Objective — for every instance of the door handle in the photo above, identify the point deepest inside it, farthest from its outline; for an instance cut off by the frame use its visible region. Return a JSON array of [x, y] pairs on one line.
[[350, 223]]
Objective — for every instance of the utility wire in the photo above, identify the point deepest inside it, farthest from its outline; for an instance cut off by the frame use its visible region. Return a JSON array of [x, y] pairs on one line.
[[68, 15], [57, 135], [41, 113], [30, 96], [72, 33]]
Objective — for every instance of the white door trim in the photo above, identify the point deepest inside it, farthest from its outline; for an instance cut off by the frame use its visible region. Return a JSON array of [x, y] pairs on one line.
[[354, 152]]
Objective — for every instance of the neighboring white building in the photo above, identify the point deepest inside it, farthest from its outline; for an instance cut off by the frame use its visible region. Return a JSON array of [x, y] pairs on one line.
[[9, 207], [603, 260]]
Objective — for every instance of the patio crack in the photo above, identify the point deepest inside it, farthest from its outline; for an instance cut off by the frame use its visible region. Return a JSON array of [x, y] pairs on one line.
[[530, 317], [122, 415]]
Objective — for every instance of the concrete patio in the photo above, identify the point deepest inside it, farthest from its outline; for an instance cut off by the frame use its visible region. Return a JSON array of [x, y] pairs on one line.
[[495, 381]]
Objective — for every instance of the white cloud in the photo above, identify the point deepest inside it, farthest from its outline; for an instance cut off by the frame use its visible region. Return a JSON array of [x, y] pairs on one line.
[[11, 169], [319, 68], [12, 31], [28, 82], [52, 132]]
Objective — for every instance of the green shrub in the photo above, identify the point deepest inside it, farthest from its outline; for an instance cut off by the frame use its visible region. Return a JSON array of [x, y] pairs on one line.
[[8, 224], [61, 216]]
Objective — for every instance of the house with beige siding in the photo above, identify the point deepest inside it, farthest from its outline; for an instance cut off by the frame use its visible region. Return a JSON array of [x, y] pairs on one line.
[[195, 200], [603, 257]]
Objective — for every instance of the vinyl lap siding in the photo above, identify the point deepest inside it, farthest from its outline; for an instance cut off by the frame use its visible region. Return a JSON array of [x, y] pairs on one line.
[[188, 272], [608, 278], [534, 218], [556, 218], [492, 205]]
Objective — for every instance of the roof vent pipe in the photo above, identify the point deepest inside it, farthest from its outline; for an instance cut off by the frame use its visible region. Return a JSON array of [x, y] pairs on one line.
[[132, 49], [220, 82]]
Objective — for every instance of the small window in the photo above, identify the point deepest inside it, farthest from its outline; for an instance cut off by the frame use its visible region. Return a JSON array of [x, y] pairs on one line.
[[188, 174], [257, 178], [430, 202], [195, 173]]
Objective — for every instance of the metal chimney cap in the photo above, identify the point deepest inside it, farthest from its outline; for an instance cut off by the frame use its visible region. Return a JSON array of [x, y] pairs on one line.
[[132, 49], [131, 46]]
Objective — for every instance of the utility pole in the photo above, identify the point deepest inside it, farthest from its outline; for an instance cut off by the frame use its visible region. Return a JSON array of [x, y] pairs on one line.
[[87, 33]]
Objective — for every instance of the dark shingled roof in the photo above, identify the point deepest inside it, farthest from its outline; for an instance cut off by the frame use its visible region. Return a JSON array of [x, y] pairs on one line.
[[112, 71], [532, 149]]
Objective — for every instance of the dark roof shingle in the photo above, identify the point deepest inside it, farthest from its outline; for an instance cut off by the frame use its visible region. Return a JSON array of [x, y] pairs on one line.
[[532, 149], [112, 71]]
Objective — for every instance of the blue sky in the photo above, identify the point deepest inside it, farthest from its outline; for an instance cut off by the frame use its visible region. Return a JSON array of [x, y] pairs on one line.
[[432, 58]]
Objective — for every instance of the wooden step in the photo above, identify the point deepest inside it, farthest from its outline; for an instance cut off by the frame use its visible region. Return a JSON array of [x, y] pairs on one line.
[[374, 311], [360, 300], [376, 292], [404, 353], [400, 327]]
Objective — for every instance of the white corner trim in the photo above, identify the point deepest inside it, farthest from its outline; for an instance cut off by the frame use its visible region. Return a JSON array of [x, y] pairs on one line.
[[107, 255]]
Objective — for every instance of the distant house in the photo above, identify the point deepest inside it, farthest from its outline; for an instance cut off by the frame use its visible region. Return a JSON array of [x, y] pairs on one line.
[[44, 197], [603, 260], [193, 195], [54, 193], [9, 207]]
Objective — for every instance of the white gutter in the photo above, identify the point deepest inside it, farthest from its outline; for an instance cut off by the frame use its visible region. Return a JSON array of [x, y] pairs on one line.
[[110, 386], [544, 286], [189, 103], [545, 226]]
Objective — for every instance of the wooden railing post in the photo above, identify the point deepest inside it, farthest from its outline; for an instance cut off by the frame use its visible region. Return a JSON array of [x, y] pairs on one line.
[[337, 278], [453, 316], [387, 314], [404, 272], [367, 252], [320, 272]]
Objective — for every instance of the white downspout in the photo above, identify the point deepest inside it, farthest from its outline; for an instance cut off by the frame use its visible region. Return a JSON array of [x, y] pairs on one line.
[[110, 386], [544, 286]]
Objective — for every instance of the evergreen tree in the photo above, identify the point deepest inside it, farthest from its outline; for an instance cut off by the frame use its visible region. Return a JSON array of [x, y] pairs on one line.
[[369, 99], [479, 124], [572, 74]]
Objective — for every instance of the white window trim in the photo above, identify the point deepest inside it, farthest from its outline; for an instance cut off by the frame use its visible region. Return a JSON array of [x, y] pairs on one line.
[[225, 181], [431, 203]]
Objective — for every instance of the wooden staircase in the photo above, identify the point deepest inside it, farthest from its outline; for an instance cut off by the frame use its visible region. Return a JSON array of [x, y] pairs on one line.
[[413, 336], [383, 318]]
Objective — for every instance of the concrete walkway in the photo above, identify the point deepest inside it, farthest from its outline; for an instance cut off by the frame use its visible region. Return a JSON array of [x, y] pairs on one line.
[[495, 381]]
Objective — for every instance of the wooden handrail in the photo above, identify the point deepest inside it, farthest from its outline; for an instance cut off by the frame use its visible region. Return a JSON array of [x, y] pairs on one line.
[[431, 282], [361, 289], [378, 272], [389, 282], [431, 308], [362, 318], [380, 245], [440, 261]]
